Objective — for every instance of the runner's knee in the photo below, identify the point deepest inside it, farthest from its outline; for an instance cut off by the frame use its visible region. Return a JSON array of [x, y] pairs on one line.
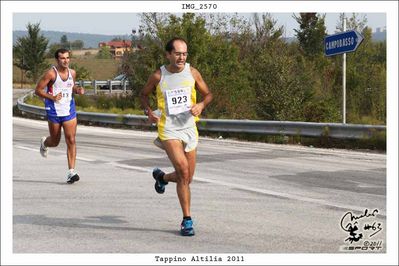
[[184, 179], [70, 139], [183, 173], [53, 141]]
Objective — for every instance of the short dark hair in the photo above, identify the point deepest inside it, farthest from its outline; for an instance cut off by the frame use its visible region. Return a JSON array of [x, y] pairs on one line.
[[60, 51], [169, 46]]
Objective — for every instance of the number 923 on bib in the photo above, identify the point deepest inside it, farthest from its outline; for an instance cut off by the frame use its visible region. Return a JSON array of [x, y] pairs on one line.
[[178, 100]]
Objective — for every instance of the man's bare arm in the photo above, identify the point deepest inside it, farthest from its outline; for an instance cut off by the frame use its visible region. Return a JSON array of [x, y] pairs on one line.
[[48, 77], [202, 87], [76, 88], [149, 87]]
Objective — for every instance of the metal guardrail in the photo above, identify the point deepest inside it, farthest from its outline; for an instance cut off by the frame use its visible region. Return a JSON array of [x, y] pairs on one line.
[[289, 128], [110, 83], [285, 128]]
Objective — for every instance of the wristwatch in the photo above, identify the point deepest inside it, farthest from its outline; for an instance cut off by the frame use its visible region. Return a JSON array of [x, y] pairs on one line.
[[146, 111]]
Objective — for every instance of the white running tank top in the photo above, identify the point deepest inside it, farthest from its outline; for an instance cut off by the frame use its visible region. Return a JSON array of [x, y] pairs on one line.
[[65, 106], [175, 95]]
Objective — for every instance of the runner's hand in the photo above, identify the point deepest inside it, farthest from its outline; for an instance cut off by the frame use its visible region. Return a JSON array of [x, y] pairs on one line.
[[80, 90], [196, 109], [152, 117], [57, 97]]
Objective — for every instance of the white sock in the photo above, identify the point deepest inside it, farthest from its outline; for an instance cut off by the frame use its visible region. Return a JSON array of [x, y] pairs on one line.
[[71, 171]]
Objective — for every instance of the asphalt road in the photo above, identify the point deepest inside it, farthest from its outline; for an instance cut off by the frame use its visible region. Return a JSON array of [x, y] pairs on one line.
[[246, 197]]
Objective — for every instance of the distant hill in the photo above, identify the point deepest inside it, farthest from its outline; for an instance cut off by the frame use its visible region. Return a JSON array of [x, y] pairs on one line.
[[92, 40], [89, 40]]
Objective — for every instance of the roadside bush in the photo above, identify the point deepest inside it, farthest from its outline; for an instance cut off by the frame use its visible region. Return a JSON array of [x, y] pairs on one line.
[[82, 101]]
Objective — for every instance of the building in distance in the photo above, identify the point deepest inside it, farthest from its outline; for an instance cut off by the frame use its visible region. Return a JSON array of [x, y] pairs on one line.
[[117, 48]]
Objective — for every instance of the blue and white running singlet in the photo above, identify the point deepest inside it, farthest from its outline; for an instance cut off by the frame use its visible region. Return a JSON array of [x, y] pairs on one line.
[[65, 106]]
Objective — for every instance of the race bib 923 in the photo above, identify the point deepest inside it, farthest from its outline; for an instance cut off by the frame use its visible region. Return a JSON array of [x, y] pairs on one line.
[[178, 100]]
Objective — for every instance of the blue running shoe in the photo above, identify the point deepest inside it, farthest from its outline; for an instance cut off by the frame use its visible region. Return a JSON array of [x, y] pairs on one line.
[[159, 184], [186, 228]]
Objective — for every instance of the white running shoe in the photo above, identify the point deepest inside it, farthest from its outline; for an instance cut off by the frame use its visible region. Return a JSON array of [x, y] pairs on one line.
[[43, 148], [72, 177]]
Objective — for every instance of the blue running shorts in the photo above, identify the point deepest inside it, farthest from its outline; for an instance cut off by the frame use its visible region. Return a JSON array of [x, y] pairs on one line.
[[61, 119]]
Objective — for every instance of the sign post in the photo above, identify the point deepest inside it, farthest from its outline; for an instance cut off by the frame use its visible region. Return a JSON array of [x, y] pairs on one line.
[[342, 43]]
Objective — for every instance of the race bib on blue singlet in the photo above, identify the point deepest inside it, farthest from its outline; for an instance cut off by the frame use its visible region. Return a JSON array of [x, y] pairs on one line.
[[66, 94]]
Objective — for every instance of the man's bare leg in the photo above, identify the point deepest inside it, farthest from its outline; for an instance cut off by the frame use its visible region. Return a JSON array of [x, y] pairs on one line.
[[55, 135], [70, 134], [176, 154]]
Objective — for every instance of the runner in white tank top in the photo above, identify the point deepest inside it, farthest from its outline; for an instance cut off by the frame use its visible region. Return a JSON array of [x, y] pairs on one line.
[[175, 86], [176, 95], [57, 87], [66, 105]]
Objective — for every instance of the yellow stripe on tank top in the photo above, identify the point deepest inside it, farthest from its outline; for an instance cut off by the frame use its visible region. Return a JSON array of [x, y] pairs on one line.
[[161, 107], [194, 99]]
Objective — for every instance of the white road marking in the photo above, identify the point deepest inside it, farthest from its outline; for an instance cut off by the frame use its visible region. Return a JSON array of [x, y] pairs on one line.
[[53, 151], [85, 159], [138, 168], [364, 185], [27, 148]]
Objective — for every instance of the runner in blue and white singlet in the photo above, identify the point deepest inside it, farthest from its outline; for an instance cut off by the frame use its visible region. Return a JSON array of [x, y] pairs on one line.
[[66, 105], [56, 87]]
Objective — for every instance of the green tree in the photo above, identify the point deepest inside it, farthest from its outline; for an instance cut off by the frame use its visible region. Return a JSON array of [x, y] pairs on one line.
[[29, 52], [272, 72], [64, 42], [228, 79], [366, 82], [52, 48], [266, 30], [353, 22], [104, 53], [77, 45], [311, 33], [82, 73], [281, 83], [224, 74], [320, 73]]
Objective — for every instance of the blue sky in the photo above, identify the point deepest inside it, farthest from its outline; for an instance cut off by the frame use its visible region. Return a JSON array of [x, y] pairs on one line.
[[123, 23]]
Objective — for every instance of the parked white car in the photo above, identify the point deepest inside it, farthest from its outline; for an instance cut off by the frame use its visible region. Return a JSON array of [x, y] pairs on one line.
[[121, 77]]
